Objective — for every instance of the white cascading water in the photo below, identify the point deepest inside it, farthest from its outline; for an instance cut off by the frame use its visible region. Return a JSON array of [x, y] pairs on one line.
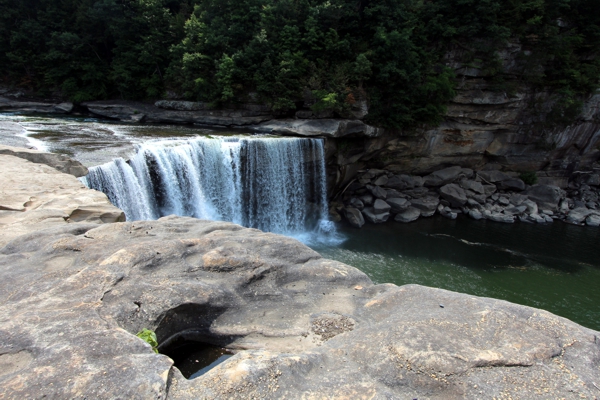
[[272, 184]]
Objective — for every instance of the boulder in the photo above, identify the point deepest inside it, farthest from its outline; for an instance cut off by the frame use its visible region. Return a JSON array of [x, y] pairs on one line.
[[517, 199], [475, 214], [545, 196], [512, 184], [409, 215], [402, 182], [427, 205], [380, 207], [499, 217], [503, 201], [476, 187], [532, 207], [515, 210], [493, 176], [578, 215], [374, 217], [442, 177], [593, 220], [398, 204], [366, 199], [454, 194], [377, 191], [489, 189], [381, 181], [354, 217], [448, 213], [357, 203]]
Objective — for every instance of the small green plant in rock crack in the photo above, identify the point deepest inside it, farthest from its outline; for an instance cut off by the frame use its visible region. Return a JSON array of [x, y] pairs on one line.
[[149, 337]]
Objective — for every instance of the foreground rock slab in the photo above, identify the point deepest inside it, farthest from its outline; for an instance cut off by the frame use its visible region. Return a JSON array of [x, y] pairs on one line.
[[74, 294], [35, 196]]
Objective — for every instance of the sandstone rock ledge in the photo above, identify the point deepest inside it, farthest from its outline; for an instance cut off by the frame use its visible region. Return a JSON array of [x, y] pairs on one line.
[[74, 294]]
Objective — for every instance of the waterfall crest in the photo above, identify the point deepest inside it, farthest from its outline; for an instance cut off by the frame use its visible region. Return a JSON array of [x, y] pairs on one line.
[[272, 184]]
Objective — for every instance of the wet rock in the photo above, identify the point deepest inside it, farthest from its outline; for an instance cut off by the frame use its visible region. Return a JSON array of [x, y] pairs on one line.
[[409, 215], [354, 217], [380, 207], [418, 192], [454, 194], [376, 218], [398, 204]]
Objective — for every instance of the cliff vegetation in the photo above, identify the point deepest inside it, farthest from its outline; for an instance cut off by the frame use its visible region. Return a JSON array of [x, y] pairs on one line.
[[328, 55]]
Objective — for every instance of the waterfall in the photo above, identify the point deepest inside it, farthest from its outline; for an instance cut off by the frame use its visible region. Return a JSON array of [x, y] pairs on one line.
[[272, 184]]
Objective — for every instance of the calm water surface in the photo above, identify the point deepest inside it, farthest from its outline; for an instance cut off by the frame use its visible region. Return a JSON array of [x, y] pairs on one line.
[[555, 267]]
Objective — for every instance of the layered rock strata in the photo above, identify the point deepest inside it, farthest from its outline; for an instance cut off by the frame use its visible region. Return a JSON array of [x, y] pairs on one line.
[[494, 195], [74, 293]]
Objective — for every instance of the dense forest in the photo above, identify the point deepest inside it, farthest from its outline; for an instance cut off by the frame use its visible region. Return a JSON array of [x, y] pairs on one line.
[[276, 51]]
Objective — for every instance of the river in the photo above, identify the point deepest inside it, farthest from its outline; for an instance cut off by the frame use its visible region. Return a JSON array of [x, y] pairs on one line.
[[555, 267]]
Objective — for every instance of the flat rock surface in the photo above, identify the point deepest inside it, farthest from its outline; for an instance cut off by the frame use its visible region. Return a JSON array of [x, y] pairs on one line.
[[35, 196], [74, 294]]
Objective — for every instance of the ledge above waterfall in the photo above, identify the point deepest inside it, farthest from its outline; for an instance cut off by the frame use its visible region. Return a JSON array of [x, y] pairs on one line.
[[333, 128]]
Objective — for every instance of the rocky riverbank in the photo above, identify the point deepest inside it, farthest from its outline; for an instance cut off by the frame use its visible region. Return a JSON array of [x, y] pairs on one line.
[[377, 196], [77, 285]]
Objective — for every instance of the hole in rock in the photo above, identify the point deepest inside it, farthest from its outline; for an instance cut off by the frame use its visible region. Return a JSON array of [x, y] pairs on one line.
[[194, 359], [184, 334]]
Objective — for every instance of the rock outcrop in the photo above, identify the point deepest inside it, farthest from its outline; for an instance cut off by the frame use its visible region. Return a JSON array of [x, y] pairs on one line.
[[74, 293], [35, 106], [36, 196], [56, 161], [493, 195]]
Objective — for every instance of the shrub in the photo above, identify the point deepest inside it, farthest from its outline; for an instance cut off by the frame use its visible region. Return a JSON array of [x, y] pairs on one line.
[[529, 177]]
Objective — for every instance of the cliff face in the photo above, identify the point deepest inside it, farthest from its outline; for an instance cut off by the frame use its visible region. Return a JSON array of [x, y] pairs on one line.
[[484, 128]]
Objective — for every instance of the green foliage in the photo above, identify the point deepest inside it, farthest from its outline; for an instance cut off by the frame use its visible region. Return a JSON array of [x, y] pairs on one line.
[[529, 177], [149, 337], [326, 54]]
